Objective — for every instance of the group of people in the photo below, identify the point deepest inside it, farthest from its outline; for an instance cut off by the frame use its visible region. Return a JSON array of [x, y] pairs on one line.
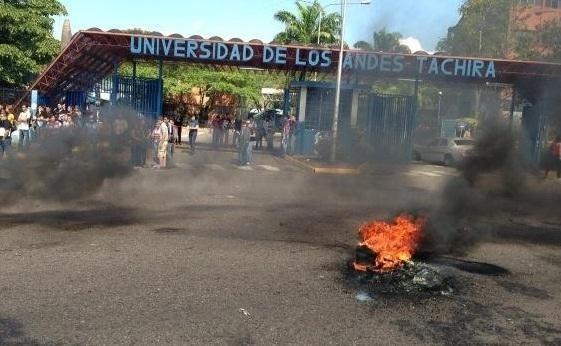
[[165, 135], [225, 127], [158, 141], [249, 134], [28, 126]]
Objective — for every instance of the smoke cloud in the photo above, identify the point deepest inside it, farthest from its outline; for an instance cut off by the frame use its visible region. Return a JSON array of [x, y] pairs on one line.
[[70, 163], [491, 180]]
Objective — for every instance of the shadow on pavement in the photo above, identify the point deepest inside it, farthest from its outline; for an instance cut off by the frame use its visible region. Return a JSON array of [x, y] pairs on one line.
[[472, 323], [11, 333]]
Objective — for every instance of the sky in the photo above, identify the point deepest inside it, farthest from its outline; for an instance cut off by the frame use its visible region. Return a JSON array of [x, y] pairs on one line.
[[423, 22]]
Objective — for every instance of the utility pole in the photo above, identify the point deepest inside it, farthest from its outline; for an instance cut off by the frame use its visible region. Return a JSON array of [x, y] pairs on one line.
[[334, 127]]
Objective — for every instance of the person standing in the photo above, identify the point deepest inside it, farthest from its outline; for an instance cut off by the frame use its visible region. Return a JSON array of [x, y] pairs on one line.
[[237, 131], [269, 133], [244, 151], [553, 161], [171, 142], [227, 127], [286, 128], [163, 135], [155, 136], [178, 123], [193, 129], [23, 127], [220, 128], [5, 132]]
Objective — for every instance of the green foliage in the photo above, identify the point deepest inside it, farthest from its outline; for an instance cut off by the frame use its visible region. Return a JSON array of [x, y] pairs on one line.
[[304, 26], [144, 70], [550, 38], [26, 41], [209, 83], [363, 45], [384, 41], [481, 31]]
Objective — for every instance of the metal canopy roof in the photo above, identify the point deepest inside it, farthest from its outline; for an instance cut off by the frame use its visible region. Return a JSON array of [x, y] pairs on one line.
[[92, 54]]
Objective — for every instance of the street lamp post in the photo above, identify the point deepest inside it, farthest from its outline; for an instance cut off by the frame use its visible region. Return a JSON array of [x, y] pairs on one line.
[[322, 9], [335, 124], [439, 123]]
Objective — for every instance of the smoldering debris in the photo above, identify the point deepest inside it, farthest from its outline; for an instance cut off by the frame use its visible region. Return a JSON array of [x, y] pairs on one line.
[[412, 279], [65, 164]]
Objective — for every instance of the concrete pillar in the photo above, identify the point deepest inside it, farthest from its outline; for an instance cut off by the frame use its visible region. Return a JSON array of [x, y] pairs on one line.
[[114, 82], [354, 108], [133, 91], [302, 105], [286, 105]]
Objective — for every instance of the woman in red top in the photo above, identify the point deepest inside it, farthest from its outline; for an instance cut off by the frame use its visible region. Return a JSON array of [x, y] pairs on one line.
[[554, 158]]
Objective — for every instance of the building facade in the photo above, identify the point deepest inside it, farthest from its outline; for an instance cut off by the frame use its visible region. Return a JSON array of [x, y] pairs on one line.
[[531, 14]]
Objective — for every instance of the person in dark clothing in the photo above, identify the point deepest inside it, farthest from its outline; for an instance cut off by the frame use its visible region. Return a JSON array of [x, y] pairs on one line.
[[178, 122], [553, 159], [237, 131], [6, 129]]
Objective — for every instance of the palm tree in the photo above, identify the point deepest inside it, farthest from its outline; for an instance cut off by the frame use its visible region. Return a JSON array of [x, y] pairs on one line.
[[303, 27], [385, 41]]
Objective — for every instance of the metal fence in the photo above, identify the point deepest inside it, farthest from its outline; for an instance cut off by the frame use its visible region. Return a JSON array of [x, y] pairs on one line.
[[142, 94], [390, 126], [319, 109]]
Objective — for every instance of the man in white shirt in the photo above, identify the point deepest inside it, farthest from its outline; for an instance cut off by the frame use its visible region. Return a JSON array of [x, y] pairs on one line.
[[163, 143], [23, 127]]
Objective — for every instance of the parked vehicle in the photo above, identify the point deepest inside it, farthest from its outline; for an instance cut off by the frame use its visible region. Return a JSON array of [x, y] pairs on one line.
[[449, 151]]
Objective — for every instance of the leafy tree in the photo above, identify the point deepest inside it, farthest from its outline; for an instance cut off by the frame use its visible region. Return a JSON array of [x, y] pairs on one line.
[[550, 41], [363, 45], [208, 85], [304, 26], [384, 41], [482, 30], [26, 41]]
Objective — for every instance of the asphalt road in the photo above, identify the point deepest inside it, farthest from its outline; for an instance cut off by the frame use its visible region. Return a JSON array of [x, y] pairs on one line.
[[214, 253]]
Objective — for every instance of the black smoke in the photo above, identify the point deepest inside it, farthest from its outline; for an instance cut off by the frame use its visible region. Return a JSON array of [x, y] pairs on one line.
[[70, 163], [490, 182]]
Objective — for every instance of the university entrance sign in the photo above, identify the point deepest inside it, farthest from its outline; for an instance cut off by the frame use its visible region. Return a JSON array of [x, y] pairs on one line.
[[93, 54], [306, 58]]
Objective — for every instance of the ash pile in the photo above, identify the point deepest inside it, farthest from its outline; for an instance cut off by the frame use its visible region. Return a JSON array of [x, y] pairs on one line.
[[384, 260]]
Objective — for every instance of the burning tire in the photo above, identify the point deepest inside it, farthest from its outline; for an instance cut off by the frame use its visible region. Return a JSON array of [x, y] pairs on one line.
[[384, 259]]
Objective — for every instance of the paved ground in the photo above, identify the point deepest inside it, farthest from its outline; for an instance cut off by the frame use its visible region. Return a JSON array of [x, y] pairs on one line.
[[213, 253]]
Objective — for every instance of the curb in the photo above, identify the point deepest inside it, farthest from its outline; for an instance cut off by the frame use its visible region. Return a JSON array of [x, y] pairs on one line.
[[324, 170]]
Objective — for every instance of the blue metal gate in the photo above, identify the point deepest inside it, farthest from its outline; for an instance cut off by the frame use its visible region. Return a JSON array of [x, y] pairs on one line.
[[142, 94], [390, 126], [533, 133]]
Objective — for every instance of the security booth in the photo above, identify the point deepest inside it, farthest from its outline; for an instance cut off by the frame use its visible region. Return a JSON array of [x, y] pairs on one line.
[[315, 103], [384, 123]]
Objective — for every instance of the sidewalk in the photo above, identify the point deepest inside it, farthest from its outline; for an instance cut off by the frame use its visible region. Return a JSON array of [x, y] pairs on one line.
[[321, 167]]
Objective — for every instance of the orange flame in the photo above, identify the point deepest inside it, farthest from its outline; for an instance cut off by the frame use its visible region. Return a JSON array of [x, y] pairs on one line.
[[393, 243]]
